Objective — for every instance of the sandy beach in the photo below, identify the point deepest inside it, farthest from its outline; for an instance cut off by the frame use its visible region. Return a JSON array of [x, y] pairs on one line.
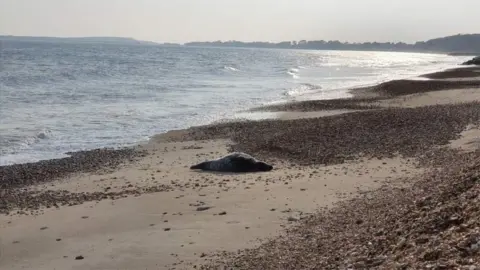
[[348, 176]]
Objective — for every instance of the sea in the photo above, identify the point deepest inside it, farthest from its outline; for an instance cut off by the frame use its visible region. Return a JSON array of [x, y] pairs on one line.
[[63, 97]]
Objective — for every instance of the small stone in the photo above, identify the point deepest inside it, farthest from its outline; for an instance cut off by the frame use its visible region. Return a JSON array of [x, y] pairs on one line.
[[167, 229], [80, 257], [292, 219], [222, 213], [43, 228], [58, 239], [203, 208]]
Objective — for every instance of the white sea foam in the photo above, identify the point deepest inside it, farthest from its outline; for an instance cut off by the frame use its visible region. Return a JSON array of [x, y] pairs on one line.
[[302, 89], [293, 72], [230, 68]]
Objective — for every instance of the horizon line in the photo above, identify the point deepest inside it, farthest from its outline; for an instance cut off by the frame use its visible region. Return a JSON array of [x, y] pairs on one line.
[[226, 40]]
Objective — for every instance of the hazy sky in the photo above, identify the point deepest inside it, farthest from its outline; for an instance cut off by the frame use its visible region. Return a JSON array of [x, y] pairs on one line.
[[266, 20]]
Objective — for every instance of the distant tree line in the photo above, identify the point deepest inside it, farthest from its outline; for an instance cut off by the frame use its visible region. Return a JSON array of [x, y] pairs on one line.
[[469, 43]]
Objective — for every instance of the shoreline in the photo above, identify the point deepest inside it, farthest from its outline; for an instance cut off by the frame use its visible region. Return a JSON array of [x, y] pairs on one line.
[[153, 212], [381, 96], [142, 142]]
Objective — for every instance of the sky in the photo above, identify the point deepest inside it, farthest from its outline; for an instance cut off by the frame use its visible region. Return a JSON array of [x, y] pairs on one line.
[[246, 20]]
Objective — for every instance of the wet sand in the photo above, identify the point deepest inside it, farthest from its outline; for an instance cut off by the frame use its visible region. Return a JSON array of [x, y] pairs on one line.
[[147, 210]]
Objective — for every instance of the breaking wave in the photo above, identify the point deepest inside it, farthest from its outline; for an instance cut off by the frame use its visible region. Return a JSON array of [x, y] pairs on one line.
[[302, 89], [293, 72], [230, 68]]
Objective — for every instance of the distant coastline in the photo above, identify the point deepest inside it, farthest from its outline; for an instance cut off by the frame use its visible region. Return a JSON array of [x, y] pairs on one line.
[[461, 44], [103, 40], [468, 44]]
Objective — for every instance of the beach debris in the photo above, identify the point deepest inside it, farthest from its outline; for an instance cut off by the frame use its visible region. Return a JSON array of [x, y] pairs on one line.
[[79, 257]]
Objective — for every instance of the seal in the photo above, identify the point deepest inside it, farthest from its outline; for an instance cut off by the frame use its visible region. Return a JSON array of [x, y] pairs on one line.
[[234, 162]]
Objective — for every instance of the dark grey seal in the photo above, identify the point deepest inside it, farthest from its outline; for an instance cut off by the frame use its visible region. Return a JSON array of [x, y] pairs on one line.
[[234, 162]]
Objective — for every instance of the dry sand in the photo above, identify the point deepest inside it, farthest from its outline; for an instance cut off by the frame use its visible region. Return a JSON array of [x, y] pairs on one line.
[[130, 233], [200, 213], [432, 98], [469, 139]]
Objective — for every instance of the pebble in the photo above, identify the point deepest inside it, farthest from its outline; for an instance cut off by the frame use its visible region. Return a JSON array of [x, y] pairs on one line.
[[203, 208]]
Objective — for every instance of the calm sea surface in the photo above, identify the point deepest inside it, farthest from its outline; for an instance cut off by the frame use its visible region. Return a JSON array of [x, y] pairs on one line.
[[56, 98]]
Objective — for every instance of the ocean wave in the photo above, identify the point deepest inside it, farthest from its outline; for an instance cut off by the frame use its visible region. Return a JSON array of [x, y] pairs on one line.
[[302, 89], [13, 144], [67, 75], [230, 68], [293, 72], [44, 134]]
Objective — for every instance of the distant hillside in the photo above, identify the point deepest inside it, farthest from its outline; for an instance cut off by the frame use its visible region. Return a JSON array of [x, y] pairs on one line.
[[458, 44], [103, 40], [452, 44]]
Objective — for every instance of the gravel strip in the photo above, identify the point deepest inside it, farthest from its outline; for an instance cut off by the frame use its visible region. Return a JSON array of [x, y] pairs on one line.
[[363, 99], [409, 132], [21, 201], [21, 175], [320, 105], [454, 73], [408, 87]]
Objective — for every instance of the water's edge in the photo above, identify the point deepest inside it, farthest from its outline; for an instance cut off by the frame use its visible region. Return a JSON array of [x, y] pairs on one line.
[[243, 115]]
